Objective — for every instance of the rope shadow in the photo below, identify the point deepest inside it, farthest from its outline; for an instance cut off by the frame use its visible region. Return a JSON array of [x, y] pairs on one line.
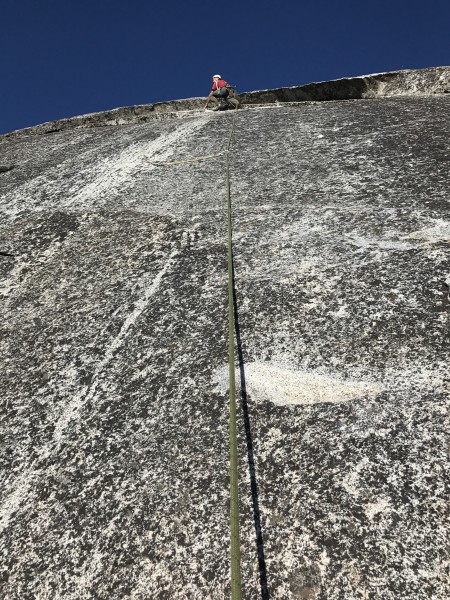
[[250, 453]]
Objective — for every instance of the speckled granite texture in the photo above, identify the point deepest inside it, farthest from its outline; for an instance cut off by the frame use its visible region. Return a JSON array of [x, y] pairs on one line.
[[114, 415]]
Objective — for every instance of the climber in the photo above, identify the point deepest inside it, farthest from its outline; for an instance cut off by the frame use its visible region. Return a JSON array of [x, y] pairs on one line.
[[223, 94]]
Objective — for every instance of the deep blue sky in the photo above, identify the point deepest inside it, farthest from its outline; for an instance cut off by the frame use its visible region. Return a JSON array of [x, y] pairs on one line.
[[61, 58]]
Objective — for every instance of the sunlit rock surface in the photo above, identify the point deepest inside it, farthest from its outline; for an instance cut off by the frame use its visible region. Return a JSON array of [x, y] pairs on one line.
[[114, 414]]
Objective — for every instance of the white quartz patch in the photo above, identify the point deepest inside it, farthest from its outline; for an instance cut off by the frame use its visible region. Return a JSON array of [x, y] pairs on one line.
[[284, 386]]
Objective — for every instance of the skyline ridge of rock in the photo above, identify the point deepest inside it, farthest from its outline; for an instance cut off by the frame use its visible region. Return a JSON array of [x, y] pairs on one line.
[[405, 82]]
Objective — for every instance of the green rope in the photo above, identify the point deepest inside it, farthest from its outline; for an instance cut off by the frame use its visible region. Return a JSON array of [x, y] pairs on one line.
[[235, 550], [234, 492]]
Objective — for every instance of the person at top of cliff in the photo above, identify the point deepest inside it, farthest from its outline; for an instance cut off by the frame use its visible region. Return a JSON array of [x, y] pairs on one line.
[[222, 94]]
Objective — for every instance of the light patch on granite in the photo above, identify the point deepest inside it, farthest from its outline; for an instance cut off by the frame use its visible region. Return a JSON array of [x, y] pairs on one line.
[[284, 386], [13, 499], [383, 244], [114, 172], [351, 482], [374, 508]]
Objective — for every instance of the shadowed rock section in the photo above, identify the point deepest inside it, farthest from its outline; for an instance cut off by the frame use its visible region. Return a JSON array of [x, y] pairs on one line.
[[114, 412], [398, 83]]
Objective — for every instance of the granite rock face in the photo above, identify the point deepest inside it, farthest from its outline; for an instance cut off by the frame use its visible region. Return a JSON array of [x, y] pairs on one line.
[[114, 413]]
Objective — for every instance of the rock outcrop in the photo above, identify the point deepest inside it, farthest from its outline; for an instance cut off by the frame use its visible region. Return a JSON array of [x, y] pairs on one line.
[[114, 460], [423, 82]]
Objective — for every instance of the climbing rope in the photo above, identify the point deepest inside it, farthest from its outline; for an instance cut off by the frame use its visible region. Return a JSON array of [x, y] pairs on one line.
[[235, 550], [234, 491]]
